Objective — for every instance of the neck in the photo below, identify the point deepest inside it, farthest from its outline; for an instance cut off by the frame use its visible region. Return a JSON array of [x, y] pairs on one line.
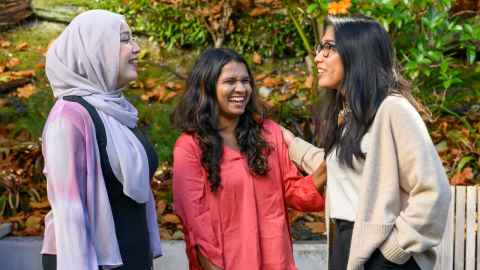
[[227, 125], [227, 131]]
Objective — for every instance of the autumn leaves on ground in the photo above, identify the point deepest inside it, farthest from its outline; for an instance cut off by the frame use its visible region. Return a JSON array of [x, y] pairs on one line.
[[284, 86]]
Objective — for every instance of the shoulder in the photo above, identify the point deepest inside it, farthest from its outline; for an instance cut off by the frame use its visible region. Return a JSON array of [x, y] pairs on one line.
[[187, 142], [396, 104], [399, 117], [397, 108], [71, 113], [271, 128]]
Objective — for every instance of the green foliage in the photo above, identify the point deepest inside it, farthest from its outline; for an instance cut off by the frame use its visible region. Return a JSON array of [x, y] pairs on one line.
[[272, 35], [155, 121], [37, 109], [30, 114], [166, 24], [432, 45]]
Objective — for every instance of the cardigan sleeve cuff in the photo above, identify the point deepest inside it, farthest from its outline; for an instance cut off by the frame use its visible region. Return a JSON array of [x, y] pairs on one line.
[[392, 251], [297, 150]]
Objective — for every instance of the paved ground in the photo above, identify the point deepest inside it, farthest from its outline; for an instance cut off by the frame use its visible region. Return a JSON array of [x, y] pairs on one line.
[[22, 253]]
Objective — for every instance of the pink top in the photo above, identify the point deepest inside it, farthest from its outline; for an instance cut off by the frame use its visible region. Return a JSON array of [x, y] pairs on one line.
[[244, 224], [80, 228]]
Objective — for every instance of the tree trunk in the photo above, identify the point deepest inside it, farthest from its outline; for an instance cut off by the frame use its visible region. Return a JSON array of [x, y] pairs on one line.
[[12, 85], [466, 7], [13, 11]]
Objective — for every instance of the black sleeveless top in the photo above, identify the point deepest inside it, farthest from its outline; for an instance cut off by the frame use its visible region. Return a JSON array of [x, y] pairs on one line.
[[130, 217]]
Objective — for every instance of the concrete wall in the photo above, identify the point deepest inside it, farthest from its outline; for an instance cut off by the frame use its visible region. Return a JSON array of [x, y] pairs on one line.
[[23, 253]]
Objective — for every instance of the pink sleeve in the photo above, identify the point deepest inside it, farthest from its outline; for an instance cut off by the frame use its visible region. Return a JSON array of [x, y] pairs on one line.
[[65, 168], [300, 192], [191, 205]]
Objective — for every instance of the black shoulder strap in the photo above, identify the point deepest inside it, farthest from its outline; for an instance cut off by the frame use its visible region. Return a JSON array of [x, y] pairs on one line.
[[99, 132]]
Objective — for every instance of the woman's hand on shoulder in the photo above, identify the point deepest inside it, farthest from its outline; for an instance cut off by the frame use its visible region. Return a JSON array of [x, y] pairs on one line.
[[288, 136], [320, 177]]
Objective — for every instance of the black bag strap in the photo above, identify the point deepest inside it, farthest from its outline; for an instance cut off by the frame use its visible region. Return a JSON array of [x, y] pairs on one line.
[[100, 134]]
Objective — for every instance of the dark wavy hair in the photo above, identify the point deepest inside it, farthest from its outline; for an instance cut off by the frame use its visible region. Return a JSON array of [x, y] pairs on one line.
[[370, 75], [197, 113]]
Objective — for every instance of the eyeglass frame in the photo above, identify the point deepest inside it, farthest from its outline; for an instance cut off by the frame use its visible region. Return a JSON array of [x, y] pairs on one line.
[[326, 47], [131, 38]]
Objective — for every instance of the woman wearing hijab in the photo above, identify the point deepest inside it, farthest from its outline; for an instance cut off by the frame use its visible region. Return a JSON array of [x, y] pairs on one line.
[[98, 165]]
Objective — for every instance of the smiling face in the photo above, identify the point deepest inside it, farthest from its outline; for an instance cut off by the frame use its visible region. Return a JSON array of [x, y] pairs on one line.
[[328, 61], [128, 57], [233, 90]]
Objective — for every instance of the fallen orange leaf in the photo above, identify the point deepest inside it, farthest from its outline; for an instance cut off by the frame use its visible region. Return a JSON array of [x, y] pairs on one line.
[[169, 96], [293, 215], [3, 102], [22, 46], [260, 77], [165, 235], [13, 62], [272, 82], [40, 205], [316, 227], [25, 91], [259, 11], [150, 83], [170, 218], [257, 58], [463, 177], [5, 44], [24, 73]]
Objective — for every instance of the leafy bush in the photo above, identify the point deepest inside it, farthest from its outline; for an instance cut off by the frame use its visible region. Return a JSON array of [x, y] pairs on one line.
[[270, 35], [166, 24], [155, 122], [433, 46]]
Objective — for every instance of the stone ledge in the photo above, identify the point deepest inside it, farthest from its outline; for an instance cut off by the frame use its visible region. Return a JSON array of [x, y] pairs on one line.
[[23, 253], [5, 229]]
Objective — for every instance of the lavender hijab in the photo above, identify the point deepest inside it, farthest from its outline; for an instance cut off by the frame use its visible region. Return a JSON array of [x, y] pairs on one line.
[[84, 61]]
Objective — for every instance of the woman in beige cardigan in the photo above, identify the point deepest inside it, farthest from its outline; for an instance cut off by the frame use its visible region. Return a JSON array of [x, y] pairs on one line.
[[387, 191]]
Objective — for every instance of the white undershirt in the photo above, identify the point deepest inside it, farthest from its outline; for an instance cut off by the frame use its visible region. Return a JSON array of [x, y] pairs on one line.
[[343, 182]]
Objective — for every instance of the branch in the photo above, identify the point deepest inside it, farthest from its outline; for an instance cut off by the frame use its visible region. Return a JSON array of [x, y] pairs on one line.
[[12, 85]]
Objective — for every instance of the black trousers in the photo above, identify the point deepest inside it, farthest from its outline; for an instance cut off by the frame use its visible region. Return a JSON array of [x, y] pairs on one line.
[[49, 262], [341, 250]]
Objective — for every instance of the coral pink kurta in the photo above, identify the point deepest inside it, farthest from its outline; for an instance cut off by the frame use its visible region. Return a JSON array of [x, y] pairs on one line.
[[243, 225]]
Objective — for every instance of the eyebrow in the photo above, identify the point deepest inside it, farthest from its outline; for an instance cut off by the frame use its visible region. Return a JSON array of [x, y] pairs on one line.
[[233, 77]]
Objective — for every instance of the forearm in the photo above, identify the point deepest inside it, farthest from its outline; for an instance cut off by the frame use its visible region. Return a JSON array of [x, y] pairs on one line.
[[305, 155], [319, 177]]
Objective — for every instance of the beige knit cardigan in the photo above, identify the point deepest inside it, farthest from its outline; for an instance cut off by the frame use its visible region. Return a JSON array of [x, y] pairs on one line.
[[404, 191]]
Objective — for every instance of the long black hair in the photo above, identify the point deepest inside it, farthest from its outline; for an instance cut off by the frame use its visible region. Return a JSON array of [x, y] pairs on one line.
[[370, 75], [197, 113]]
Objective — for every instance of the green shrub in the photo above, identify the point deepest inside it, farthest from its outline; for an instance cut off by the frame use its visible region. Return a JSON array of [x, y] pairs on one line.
[[434, 47], [155, 121], [272, 35], [164, 23]]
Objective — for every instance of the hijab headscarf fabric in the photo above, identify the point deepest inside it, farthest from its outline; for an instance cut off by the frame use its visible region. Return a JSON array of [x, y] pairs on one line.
[[84, 61]]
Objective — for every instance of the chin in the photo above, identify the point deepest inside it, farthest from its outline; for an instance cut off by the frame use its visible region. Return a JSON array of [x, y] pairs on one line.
[[326, 86]]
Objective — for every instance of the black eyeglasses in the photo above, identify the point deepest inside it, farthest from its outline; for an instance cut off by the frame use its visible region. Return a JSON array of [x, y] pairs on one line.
[[325, 48]]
